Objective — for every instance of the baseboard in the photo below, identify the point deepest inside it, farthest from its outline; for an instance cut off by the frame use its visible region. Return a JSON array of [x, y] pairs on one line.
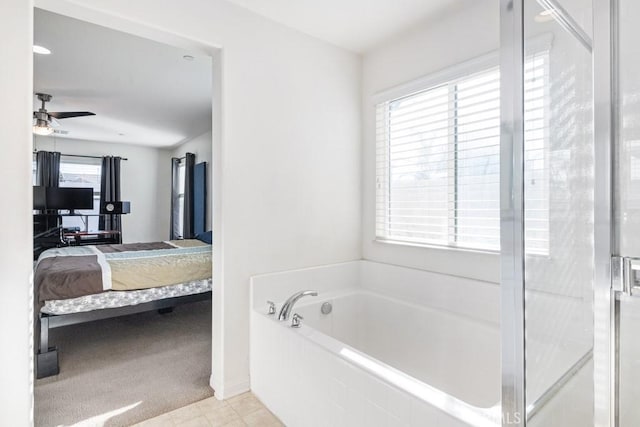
[[223, 392]]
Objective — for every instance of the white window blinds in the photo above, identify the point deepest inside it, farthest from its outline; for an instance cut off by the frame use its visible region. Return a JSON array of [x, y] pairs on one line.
[[438, 162]]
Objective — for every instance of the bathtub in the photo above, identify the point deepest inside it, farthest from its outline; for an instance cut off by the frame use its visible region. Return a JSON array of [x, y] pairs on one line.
[[453, 354], [400, 347]]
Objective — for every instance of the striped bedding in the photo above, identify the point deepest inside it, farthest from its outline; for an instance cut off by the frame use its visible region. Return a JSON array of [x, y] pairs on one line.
[[76, 271]]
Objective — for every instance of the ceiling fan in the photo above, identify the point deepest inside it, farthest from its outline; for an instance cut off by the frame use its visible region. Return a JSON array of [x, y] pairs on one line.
[[43, 119]]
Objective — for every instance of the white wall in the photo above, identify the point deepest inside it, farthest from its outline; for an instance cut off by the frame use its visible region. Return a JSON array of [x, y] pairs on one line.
[[146, 183], [201, 146], [291, 160], [288, 183], [16, 76], [445, 41]]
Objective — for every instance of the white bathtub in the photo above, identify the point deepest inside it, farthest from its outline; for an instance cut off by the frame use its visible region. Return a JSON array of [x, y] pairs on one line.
[[446, 351], [429, 355]]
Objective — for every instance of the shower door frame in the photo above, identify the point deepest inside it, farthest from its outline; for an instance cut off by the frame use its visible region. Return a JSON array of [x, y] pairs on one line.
[[512, 308], [513, 349]]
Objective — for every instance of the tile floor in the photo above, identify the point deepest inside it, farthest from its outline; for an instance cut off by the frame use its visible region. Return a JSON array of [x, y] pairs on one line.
[[239, 411]]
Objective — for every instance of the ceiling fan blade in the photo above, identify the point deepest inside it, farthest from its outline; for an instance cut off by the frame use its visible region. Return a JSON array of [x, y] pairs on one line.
[[54, 122], [69, 114]]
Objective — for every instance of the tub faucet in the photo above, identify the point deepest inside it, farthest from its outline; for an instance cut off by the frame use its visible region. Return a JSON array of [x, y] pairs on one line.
[[285, 311]]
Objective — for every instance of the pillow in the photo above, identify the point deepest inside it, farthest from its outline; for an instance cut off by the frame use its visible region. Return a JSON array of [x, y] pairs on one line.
[[205, 237]]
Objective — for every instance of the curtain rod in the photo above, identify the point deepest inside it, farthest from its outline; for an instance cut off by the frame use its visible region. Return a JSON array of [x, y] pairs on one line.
[[181, 158], [80, 155]]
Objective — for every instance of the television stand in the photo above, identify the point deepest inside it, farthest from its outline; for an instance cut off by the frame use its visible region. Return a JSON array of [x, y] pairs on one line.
[[48, 233], [102, 237]]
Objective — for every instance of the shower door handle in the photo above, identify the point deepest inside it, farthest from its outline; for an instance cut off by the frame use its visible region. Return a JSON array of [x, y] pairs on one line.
[[625, 275]]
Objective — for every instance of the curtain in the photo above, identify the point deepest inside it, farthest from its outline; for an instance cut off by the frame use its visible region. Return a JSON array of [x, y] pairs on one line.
[[176, 230], [47, 175], [110, 192], [199, 198], [188, 218], [47, 168]]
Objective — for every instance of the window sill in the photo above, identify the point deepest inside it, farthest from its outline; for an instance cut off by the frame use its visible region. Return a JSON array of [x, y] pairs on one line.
[[531, 255], [472, 264], [436, 247]]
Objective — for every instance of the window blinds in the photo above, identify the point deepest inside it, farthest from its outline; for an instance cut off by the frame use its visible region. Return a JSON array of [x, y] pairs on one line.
[[537, 149], [438, 161]]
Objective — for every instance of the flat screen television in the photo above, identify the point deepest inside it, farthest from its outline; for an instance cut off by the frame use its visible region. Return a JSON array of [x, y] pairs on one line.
[[68, 198]]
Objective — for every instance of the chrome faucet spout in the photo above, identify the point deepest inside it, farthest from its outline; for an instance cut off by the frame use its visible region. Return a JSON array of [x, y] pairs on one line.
[[285, 311]]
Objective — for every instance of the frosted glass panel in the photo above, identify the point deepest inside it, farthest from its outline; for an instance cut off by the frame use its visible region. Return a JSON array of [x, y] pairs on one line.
[[559, 205], [629, 362], [628, 169], [629, 156]]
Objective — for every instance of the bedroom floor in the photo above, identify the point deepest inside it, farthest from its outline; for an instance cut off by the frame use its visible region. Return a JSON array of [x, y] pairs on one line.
[[121, 371], [242, 410]]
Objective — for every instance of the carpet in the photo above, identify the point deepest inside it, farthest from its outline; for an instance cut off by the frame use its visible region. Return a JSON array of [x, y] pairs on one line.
[[117, 372]]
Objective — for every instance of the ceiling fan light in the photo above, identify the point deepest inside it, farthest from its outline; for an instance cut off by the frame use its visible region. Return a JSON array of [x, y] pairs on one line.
[[42, 129], [41, 50]]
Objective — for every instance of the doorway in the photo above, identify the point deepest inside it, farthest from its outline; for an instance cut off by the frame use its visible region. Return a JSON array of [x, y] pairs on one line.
[[146, 156]]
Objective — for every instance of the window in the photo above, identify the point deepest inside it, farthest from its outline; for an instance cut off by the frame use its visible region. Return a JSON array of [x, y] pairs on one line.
[[438, 162], [178, 177], [80, 172], [180, 196]]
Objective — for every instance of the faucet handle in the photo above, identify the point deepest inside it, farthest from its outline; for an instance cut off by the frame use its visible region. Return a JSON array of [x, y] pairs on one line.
[[272, 308], [295, 320]]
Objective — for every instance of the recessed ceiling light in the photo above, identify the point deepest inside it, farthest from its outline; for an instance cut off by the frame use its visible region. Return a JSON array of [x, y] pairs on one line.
[[189, 57], [41, 50]]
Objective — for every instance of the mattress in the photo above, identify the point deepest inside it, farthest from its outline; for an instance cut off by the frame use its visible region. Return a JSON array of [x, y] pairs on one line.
[[78, 271], [114, 299]]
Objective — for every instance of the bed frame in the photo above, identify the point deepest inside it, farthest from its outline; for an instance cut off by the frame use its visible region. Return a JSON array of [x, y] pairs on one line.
[[47, 357]]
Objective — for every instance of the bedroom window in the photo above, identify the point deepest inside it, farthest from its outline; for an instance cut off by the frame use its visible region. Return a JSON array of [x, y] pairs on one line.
[[438, 163], [178, 177], [80, 172], [180, 197]]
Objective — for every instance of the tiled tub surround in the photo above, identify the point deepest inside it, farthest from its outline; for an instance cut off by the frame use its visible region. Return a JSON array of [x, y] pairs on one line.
[[401, 347]]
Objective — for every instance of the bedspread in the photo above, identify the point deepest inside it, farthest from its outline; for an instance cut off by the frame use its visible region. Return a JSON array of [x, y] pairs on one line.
[[76, 271]]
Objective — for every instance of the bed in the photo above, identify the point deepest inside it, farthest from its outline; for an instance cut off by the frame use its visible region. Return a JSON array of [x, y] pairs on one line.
[[80, 284]]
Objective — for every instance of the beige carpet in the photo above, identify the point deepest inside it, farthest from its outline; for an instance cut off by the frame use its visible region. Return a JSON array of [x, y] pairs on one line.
[[121, 371]]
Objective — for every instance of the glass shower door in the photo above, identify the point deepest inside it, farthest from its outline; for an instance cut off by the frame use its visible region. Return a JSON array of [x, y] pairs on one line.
[[548, 208], [558, 213], [627, 360], [570, 222]]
